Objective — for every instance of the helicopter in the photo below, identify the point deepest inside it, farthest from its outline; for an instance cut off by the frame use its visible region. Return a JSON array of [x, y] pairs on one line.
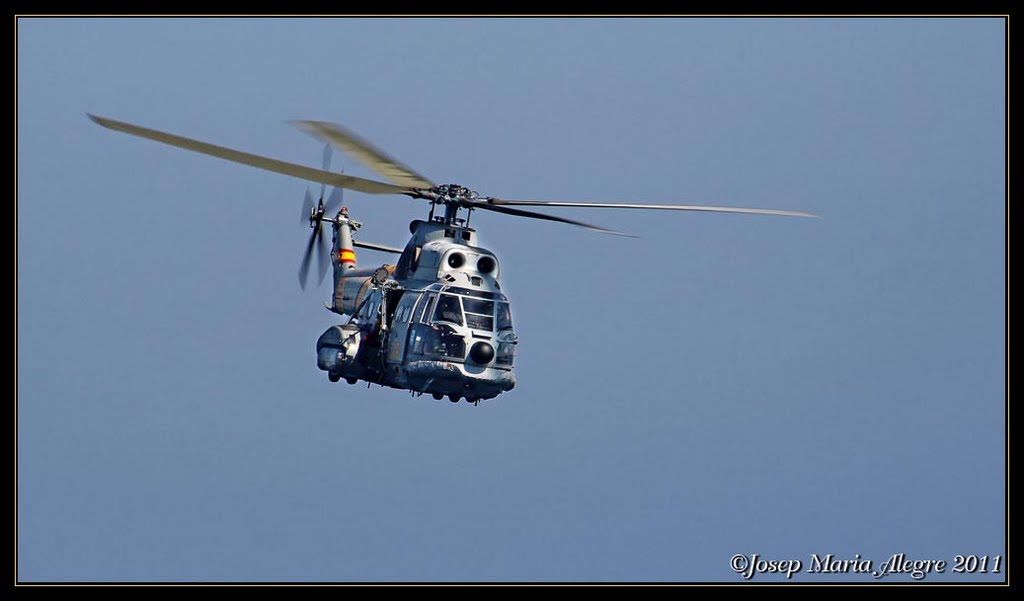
[[436, 321]]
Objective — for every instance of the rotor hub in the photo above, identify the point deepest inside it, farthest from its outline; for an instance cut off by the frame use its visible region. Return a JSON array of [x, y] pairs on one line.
[[454, 194], [316, 215]]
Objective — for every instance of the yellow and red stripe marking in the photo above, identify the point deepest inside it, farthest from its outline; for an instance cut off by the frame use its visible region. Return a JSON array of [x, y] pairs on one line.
[[346, 255]]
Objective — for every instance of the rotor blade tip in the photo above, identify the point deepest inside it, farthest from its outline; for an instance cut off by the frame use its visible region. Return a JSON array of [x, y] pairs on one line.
[[303, 124]]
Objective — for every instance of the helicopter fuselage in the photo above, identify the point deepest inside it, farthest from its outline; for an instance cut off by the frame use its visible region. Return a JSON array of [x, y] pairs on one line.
[[436, 322]]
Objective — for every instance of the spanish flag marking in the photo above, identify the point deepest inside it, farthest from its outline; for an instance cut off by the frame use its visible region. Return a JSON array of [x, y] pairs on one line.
[[346, 255]]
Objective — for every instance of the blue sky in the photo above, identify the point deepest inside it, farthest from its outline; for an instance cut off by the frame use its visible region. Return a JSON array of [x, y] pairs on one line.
[[721, 385]]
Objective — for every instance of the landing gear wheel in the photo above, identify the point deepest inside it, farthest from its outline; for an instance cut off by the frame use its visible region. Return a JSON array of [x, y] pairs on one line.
[[453, 398], [351, 380], [437, 396], [333, 377]]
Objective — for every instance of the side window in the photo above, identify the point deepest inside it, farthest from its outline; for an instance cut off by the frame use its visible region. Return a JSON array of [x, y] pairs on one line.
[[406, 306], [424, 316], [504, 317], [417, 334], [370, 306]]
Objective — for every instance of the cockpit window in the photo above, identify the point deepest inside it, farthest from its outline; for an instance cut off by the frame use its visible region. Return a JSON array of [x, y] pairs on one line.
[[448, 310], [504, 317], [436, 341], [427, 306], [506, 354], [479, 313]]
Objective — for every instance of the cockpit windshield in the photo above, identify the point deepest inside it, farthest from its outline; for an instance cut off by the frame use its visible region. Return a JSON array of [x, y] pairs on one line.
[[479, 313], [483, 311], [448, 310]]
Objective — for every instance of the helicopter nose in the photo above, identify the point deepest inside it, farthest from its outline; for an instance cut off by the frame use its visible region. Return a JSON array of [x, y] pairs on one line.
[[482, 353]]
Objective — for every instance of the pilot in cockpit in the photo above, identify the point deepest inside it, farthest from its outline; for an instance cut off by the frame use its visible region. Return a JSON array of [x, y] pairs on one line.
[[448, 309]]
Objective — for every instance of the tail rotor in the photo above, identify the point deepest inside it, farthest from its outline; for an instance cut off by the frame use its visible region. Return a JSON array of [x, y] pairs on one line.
[[315, 215]]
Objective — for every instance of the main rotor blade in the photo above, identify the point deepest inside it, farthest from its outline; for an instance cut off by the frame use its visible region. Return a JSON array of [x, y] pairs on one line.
[[533, 215], [326, 167], [253, 160], [304, 267], [601, 205], [380, 247], [386, 166]]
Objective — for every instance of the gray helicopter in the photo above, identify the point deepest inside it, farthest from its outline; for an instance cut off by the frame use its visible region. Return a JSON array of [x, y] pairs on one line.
[[436, 321]]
